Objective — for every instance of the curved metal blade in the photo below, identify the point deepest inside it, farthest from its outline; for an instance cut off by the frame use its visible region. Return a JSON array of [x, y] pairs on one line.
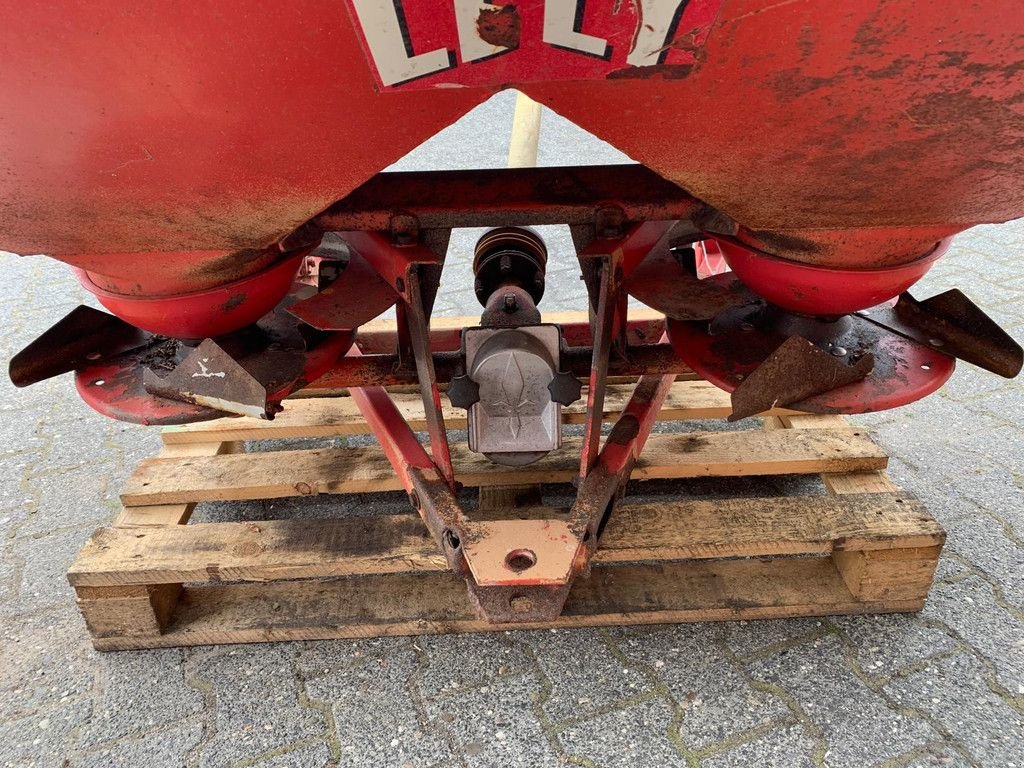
[[954, 325], [661, 282], [796, 370], [83, 337]]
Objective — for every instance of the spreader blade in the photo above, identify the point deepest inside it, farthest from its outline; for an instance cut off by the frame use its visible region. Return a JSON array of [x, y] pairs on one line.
[[795, 371]]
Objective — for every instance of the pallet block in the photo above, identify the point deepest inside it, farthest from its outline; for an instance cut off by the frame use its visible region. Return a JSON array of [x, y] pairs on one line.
[[151, 580]]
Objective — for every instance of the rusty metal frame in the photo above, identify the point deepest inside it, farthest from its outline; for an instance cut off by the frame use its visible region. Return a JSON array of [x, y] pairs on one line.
[[485, 552], [503, 197]]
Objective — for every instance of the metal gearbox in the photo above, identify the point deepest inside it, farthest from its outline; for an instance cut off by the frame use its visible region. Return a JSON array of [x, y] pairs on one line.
[[515, 419]]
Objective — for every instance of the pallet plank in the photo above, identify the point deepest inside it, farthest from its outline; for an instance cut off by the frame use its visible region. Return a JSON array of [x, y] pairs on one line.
[[413, 604], [329, 417], [281, 474], [848, 482], [663, 531]]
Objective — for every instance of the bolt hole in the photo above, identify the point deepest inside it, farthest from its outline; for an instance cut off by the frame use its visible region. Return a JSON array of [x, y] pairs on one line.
[[936, 342], [519, 560], [400, 284], [93, 356], [925, 367], [99, 383], [451, 539]]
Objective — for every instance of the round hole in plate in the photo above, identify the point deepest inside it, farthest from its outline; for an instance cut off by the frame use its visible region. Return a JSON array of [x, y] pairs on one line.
[[93, 356], [935, 342], [519, 560], [99, 383], [925, 367]]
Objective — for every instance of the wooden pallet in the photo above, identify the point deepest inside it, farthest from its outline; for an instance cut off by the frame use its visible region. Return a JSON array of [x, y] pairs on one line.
[[150, 580]]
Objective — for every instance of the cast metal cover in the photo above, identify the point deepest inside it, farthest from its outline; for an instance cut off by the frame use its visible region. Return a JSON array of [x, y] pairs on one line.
[[515, 422]]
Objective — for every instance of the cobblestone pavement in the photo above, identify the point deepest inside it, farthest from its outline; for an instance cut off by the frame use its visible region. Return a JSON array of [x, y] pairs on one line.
[[943, 688]]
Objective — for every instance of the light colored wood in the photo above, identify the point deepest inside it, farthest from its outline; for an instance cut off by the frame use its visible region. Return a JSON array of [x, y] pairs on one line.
[[848, 482], [859, 482], [359, 470], [663, 531], [415, 604], [328, 417], [902, 572], [174, 514], [132, 611], [895, 574]]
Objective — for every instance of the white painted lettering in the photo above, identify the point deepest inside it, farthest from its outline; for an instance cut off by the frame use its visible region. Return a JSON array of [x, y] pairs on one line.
[[382, 24], [657, 21], [560, 18]]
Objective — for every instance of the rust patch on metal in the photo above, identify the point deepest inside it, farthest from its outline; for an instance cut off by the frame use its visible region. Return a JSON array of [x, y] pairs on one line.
[[653, 72], [780, 243], [235, 301], [236, 264], [625, 429], [500, 26]]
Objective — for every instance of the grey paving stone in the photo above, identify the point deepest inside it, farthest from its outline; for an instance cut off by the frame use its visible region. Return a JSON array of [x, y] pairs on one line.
[[883, 645], [469, 660], [375, 717], [46, 662], [633, 737], [139, 692], [257, 707], [715, 699], [982, 541], [56, 508], [10, 577], [77, 436], [940, 755], [859, 726], [43, 577], [316, 659], [952, 692], [495, 724], [584, 674], [161, 748], [42, 739], [788, 747], [310, 756], [951, 568], [747, 638], [970, 609]]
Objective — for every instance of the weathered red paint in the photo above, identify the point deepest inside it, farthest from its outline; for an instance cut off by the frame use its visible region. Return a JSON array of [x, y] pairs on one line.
[[813, 290], [207, 313], [224, 126]]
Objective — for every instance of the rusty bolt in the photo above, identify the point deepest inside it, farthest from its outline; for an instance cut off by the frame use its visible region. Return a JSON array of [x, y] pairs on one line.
[[520, 604]]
